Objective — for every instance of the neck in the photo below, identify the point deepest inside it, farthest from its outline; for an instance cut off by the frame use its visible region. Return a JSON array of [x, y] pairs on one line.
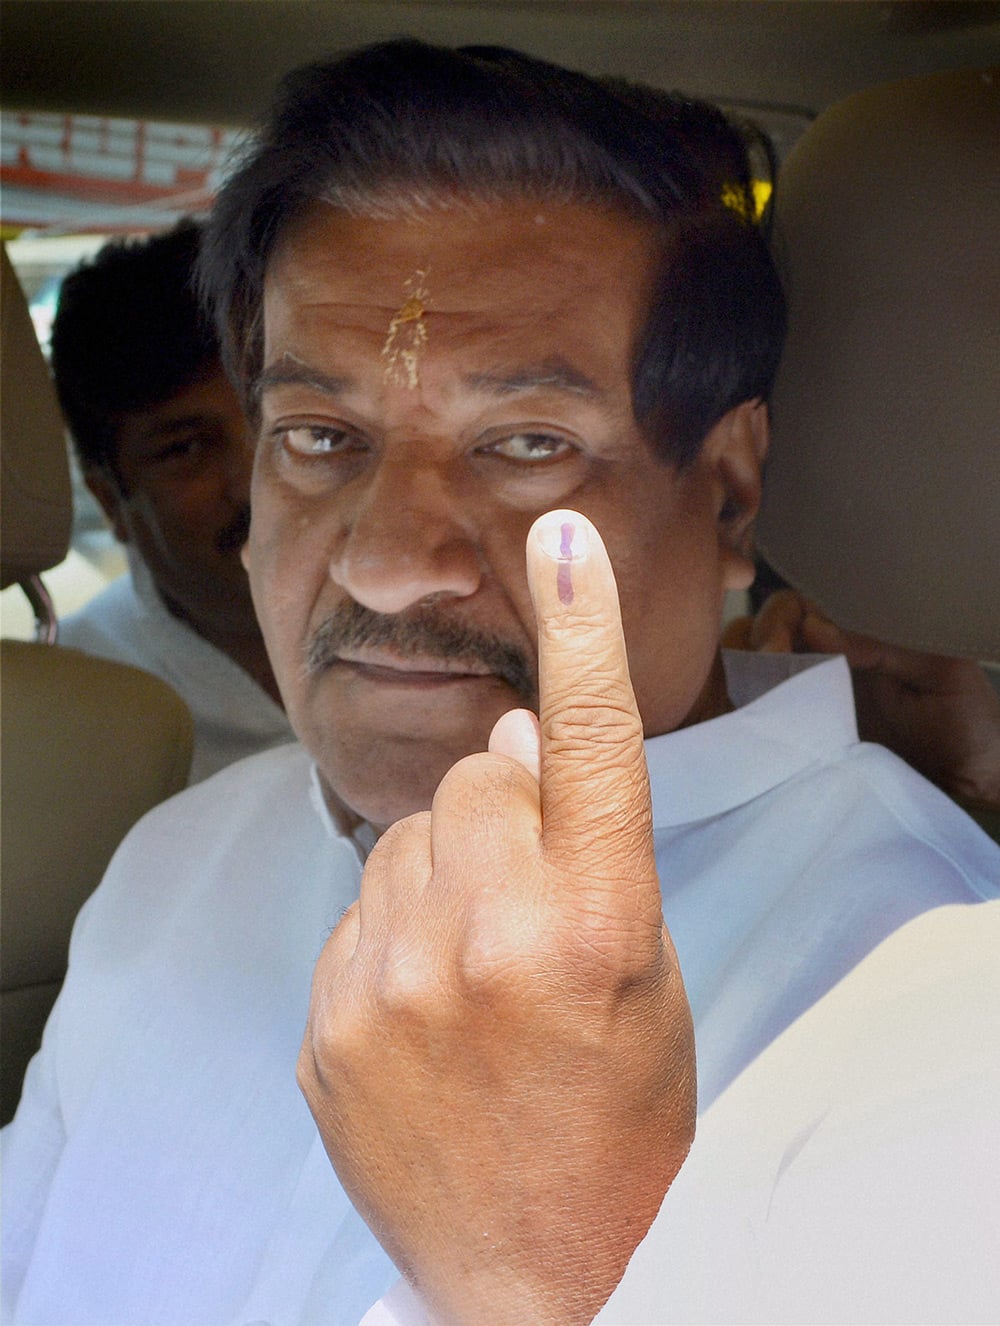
[[346, 820], [713, 700]]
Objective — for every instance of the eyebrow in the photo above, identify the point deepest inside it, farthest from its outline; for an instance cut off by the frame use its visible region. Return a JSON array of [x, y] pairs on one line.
[[158, 430], [552, 373], [292, 372], [188, 421]]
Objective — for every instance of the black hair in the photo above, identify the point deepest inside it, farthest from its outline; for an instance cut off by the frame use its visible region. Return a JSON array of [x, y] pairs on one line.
[[404, 126], [129, 332]]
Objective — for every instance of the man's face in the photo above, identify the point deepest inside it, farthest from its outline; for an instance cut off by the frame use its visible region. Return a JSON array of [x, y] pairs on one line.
[[183, 500], [430, 386]]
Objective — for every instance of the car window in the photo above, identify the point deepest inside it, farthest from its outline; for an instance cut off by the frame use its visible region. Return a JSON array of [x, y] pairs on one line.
[[70, 183]]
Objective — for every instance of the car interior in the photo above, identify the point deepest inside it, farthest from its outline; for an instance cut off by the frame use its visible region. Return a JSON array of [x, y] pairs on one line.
[[89, 746]]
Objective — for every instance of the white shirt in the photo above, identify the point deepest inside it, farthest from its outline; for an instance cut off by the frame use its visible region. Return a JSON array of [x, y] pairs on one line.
[[163, 1166], [129, 622]]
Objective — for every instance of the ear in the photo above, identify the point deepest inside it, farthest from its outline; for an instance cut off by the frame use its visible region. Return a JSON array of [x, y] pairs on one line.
[[735, 449], [110, 499]]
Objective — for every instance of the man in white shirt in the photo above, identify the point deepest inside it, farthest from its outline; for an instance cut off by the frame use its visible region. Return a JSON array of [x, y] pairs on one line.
[[163, 445], [462, 290]]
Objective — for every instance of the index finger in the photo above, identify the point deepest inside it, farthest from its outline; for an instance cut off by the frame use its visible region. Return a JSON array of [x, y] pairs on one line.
[[594, 786]]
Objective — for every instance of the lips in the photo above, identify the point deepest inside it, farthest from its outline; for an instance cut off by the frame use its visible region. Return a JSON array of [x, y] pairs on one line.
[[385, 666]]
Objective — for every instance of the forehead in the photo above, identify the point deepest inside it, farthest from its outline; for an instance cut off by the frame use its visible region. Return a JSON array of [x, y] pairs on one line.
[[477, 275]]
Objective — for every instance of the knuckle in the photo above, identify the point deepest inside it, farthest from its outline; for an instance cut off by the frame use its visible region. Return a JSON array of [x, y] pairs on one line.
[[329, 1046], [495, 956], [611, 950], [467, 780], [596, 719], [585, 623], [621, 816], [409, 990], [399, 839], [508, 954], [558, 952], [306, 1068]]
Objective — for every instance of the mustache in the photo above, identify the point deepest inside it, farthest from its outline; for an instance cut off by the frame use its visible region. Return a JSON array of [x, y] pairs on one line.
[[421, 632], [233, 536]]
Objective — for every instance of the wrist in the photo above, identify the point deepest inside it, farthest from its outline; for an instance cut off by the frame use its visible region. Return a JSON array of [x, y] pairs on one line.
[[504, 1297], [546, 1281]]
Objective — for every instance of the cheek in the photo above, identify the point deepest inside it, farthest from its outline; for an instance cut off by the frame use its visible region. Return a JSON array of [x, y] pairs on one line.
[[670, 592], [505, 562], [185, 518], [287, 560]]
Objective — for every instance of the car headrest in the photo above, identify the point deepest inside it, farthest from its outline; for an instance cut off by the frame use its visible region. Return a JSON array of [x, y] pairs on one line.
[[882, 498], [34, 467]]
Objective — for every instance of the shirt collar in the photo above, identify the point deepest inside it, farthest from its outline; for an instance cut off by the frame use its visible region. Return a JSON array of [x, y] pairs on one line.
[[144, 585], [711, 767], [362, 837], [794, 709]]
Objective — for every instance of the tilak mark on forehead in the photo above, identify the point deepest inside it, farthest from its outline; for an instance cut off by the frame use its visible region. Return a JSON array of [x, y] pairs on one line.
[[407, 335]]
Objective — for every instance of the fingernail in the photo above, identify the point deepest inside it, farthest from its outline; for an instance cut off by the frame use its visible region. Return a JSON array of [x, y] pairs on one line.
[[562, 536]]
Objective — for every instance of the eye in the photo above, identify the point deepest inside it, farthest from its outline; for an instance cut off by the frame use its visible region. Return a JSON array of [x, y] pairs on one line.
[[182, 449], [313, 440], [530, 448]]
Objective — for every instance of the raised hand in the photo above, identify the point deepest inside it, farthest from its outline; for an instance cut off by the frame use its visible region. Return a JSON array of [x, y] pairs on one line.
[[499, 1054]]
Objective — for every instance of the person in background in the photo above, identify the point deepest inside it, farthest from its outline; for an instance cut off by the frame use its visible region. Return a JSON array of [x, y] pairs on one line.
[[941, 714], [164, 447]]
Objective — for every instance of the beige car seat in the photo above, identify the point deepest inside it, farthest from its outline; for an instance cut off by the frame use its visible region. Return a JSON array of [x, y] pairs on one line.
[[882, 500], [88, 745]]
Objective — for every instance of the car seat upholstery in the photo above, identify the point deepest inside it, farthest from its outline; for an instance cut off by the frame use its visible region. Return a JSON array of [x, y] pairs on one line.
[[88, 745], [882, 500], [35, 489]]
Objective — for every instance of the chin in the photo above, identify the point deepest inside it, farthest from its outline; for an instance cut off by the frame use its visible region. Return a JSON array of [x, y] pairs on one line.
[[382, 776], [388, 789], [381, 811]]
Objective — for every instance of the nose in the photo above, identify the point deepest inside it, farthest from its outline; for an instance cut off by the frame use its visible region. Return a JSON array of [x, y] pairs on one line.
[[407, 537]]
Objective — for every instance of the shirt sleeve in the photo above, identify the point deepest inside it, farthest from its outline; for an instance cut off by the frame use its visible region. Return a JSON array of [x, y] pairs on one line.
[[32, 1144], [849, 1174]]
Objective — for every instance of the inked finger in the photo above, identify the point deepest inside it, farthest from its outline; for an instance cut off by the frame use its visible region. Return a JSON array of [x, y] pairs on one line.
[[595, 790]]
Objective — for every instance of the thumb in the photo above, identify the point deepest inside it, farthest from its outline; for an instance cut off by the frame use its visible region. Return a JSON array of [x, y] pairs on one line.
[[516, 735]]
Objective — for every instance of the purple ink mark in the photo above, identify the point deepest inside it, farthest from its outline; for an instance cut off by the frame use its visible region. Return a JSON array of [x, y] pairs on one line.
[[564, 576]]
